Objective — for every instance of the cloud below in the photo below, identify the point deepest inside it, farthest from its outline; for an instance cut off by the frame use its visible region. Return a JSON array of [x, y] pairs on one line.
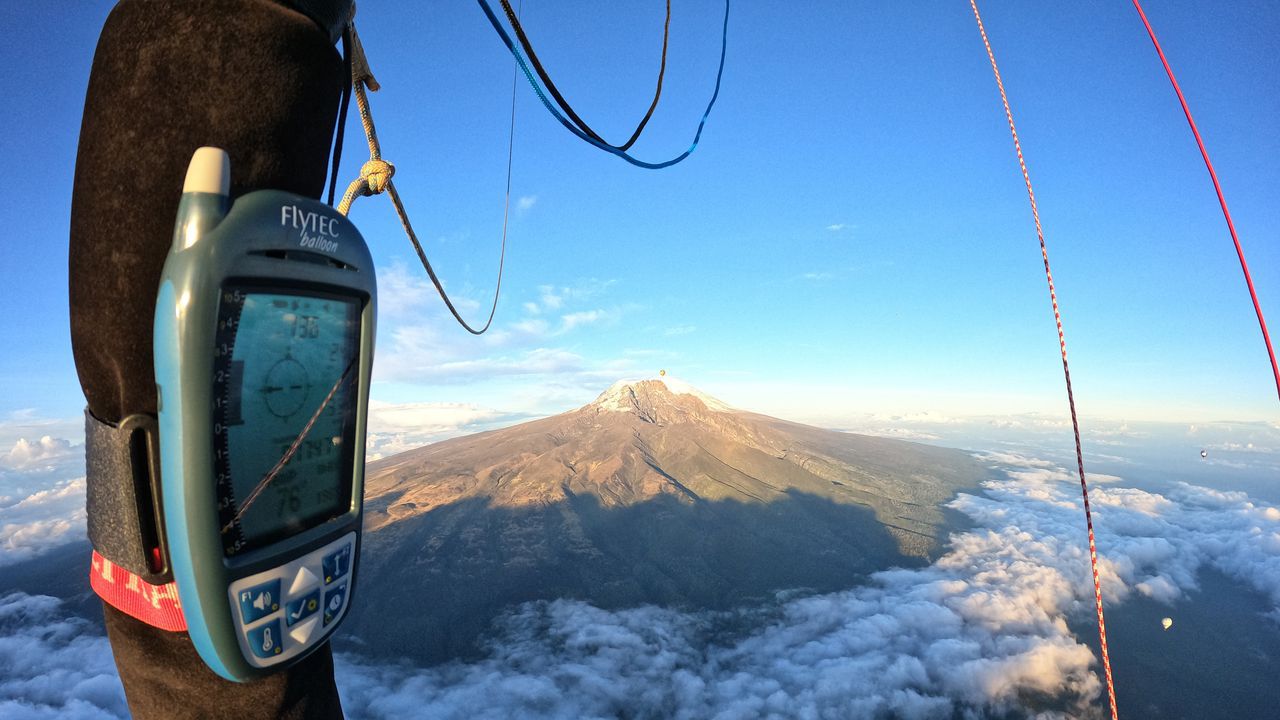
[[54, 664], [45, 453], [397, 427], [30, 465], [41, 521], [983, 631]]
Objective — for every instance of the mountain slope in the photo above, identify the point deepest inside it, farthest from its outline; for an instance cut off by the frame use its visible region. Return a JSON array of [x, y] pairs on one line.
[[654, 493]]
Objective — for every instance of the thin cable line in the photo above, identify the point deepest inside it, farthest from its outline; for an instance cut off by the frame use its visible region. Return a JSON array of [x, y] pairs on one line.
[[1066, 370], [564, 104], [524, 67], [343, 105], [288, 454], [502, 255], [375, 178], [1222, 200]]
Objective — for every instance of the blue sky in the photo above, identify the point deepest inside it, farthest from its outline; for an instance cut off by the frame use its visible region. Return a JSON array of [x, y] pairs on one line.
[[850, 237]]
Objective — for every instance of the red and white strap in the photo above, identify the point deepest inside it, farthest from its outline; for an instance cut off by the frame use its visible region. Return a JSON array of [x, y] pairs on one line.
[[155, 605]]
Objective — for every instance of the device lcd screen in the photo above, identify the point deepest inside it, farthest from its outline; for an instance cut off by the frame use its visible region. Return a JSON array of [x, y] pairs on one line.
[[285, 393]]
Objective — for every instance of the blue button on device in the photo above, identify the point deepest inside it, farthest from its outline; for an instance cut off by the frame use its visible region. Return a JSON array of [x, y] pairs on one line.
[[336, 564], [265, 641], [260, 601], [302, 608], [333, 600]]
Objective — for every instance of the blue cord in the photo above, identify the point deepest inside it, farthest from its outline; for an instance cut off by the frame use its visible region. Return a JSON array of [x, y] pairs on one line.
[[506, 39]]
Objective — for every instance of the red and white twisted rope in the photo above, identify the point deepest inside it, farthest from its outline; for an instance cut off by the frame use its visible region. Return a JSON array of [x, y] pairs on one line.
[[1066, 370]]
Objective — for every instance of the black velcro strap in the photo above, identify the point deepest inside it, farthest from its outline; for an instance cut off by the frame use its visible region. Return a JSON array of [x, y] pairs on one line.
[[122, 465]]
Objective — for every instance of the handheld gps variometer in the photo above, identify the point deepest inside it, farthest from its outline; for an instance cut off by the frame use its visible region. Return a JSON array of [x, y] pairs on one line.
[[263, 347]]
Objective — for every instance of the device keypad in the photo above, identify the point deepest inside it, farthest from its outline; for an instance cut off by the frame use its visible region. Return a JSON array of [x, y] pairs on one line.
[[278, 612]]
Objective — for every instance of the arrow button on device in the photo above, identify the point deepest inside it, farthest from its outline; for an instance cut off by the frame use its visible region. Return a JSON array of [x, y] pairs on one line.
[[303, 581], [302, 633]]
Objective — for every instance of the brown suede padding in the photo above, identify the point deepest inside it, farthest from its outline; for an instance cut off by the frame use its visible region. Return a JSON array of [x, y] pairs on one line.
[[166, 679], [263, 82], [249, 76]]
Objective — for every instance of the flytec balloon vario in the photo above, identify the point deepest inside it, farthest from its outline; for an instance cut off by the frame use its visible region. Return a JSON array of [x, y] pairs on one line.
[[264, 332]]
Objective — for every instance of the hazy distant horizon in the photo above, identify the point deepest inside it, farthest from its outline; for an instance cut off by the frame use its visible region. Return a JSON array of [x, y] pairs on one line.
[[1241, 453]]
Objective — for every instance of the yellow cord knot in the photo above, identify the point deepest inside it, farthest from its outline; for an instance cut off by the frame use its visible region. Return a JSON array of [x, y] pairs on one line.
[[376, 174], [375, 178]]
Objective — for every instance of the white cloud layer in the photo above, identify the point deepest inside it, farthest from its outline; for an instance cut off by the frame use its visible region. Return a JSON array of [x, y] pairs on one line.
[[30, 423], [53, 665], [43, 454], [397, 427], [41, 521], [35, 453], [420, 343], [975, 634], [981, 632]]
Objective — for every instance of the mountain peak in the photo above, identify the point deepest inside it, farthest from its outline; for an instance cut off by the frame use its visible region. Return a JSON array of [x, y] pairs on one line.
[[646, 397], [655, 493]]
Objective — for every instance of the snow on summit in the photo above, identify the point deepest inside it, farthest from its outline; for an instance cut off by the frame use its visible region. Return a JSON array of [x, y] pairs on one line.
[[618, 398]]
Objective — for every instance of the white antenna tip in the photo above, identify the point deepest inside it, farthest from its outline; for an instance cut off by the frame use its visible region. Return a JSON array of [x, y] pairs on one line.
[[209, 172]]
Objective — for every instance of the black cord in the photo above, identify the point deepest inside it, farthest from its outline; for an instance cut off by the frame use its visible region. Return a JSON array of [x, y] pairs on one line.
[[564, 104], [502, 254], [342, 113]]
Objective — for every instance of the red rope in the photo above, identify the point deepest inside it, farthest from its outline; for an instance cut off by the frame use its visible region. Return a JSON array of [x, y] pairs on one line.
[[1066, 371], [1266, 337]]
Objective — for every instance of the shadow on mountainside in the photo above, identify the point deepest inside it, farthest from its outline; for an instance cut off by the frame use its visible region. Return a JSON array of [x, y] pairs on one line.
[[430, 590]]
